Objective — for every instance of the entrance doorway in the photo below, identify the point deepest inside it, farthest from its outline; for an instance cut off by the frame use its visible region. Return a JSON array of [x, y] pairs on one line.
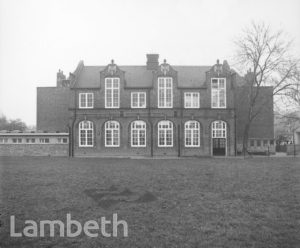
[[219, 147], [219, 138]]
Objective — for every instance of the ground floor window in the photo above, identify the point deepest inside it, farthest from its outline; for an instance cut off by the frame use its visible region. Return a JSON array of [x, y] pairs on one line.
[[192, 134], [112, 134], [165, 134], [138, 134], [86, 134]]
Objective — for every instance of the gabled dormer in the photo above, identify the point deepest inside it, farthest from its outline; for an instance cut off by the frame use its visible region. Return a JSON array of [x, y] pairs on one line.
[[112, 80], [165, 84], [219, 82]]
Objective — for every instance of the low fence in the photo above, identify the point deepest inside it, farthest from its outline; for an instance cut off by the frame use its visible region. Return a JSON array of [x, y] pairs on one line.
[[293, 149]]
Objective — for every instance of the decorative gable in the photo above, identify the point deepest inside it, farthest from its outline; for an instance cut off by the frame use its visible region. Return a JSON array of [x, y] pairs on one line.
[[165, 70], [112, 70]]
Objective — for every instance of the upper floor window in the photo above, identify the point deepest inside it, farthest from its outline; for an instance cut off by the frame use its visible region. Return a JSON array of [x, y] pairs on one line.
[[165, 134], [138, 99], [191, 100], [218, 93], [112, 134], [138, 134], [192, 134], [86, 134], [112, 92], [86, 100], [165, 92]]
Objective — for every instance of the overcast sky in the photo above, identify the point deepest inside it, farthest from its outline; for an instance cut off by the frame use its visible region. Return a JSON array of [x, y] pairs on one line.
[[39, 37]]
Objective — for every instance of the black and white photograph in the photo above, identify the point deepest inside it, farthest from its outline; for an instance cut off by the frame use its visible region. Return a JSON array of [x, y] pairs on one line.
[[149, 124]]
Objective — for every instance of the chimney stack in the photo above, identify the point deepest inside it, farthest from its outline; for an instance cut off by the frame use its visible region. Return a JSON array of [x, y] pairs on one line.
[[60, 77], [152, 61]]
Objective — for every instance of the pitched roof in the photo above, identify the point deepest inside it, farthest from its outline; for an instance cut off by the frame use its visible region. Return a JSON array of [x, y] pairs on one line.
[[140, 77], [191, 76]]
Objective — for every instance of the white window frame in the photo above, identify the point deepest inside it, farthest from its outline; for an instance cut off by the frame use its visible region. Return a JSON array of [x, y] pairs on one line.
[[138, 99], [219, 131], [187, 128], [112, 88], [29, 140], [139, 132], [86, 134], [85, 104], [43, 141], [165, 130], [192, 96], [61, 140], [3, 140], [217, 91], [113, 131], [164, 88]]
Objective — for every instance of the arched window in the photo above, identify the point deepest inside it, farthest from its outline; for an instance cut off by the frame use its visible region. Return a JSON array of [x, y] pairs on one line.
[[86, 134], [112, 134], [219, 129], [192, 134], [138, 134], [165, 134]]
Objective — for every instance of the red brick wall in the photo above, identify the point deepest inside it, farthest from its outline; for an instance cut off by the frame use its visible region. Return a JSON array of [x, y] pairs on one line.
[[52, 109], [34, 149]]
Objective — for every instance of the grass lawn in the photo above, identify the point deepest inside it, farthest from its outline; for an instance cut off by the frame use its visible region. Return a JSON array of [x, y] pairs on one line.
[[167, 203]]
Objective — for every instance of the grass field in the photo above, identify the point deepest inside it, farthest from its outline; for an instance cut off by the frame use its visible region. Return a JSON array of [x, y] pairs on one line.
[[167, 203]]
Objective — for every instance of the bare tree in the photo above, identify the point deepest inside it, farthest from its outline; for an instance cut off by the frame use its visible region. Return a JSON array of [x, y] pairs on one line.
[[266, 55]]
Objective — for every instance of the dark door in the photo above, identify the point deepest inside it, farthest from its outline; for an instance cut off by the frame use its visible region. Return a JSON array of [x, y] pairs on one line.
[[219, 147]]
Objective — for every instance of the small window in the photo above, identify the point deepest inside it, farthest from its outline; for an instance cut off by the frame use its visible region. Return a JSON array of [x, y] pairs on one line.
[[3, 140], [258, 143], [17, 140], [30, 140], [251, 142], [265, 142], [62, 140], [138, 99], [86, 100], [44, 140], [191, 99], [271, 142]]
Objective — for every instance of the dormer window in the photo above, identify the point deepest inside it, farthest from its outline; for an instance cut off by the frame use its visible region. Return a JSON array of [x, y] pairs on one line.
[[112, 93], [165, 92], [218, 93]]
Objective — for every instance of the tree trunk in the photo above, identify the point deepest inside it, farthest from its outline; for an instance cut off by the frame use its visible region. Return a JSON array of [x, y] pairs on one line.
[[245, 138]]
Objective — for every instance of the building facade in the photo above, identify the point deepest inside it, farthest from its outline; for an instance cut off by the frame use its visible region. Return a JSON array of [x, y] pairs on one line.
[[151, 110]]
